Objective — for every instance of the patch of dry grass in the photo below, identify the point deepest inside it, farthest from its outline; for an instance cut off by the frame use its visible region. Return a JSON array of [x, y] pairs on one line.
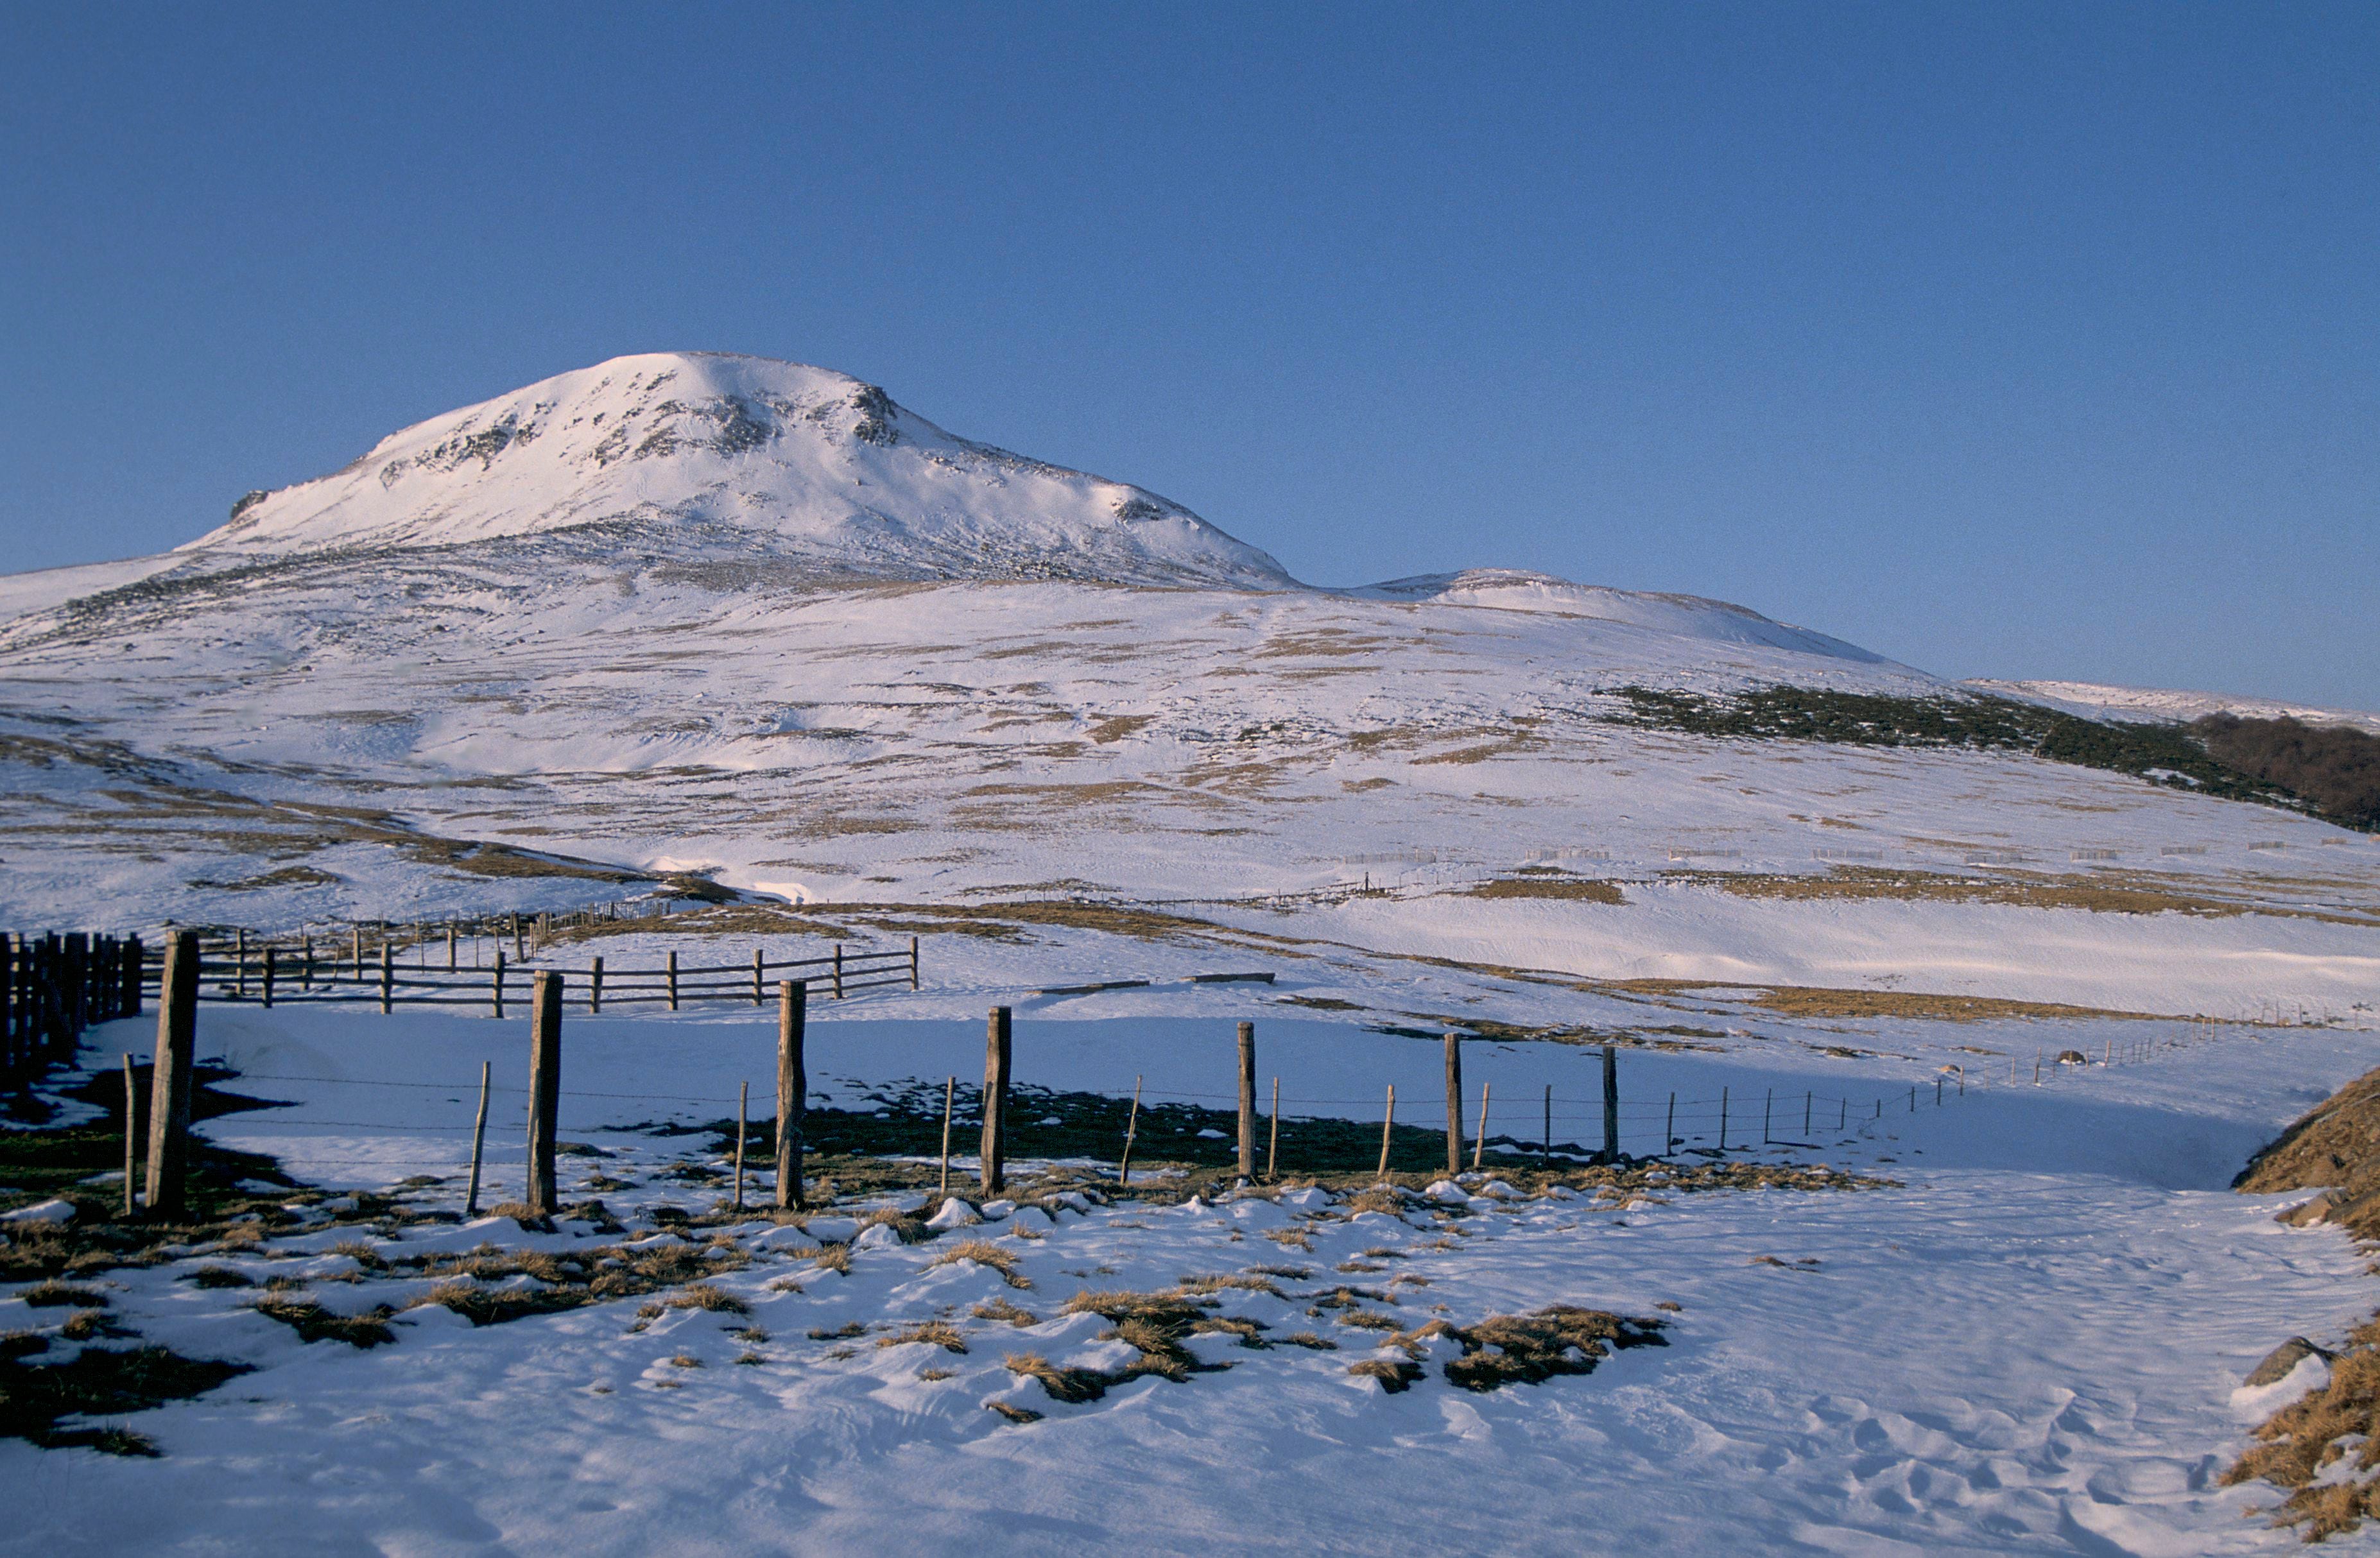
[[933, 1333], [1001, 1309], [984, 1252], [1394, 1373]]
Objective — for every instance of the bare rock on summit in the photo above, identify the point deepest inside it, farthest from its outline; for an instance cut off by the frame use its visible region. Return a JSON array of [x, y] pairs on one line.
[[2281, 1360]]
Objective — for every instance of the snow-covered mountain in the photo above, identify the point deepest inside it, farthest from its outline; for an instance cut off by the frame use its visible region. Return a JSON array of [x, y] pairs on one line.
[[688, 612], [702, 449]]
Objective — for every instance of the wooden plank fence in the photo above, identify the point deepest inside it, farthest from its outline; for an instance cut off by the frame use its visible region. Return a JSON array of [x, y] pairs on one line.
[[239, 966], [52, 986]]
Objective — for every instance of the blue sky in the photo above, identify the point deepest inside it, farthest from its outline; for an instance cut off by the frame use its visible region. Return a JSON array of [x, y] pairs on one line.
[[2007, 340]]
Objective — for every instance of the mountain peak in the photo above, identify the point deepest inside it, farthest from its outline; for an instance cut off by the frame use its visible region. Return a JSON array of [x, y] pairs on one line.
[[700, 449]]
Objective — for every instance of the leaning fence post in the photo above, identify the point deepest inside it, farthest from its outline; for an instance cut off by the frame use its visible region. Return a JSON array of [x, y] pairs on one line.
[[1767, 1107], [743, 1102], [1610, 1104], [1131, 1127], [793, 1089], [169, 1082], [544, 1086], [479, 1141], [131, 1135], [1722, 1119], [1479, 1139], [1272, 1153], [950, 1090], [1388, 1124], [1247, 1100], [996, 1054]]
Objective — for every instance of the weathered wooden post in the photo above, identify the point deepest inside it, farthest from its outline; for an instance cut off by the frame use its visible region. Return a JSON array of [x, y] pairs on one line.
[[792, 1090], [1272, 1153], [1247, 1100], [838, 970], [743, 1104], [1453, 1103], [387, 979], [758, 974], [1388, 1124], [450, 947], [266, 988], [949, 1091], [520, 949], [1479, 1137], [595, 986], [239, 962], [131, 1139], [1131, 1128], [1610, 1104], [355, 936], [672, 971], [544, 1087], [496, 984], [169, 1084], [479, 1141], [912, 963], [993, 1172]]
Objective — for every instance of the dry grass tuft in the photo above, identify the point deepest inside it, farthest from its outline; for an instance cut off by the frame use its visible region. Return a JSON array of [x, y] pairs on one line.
[[1559, 1339], [361, 1252], [1013, 1414], [705, 1296], [835, 1257], [1001, 1309], [1394, 1373], [685, 1361], [314, 1323], [1221, 1282], [934, 1333], [983, 1252], [58, 1295], [220, 1277], [1308, 1339], [1385, 1197], [841, 1332], [1070, 1385]]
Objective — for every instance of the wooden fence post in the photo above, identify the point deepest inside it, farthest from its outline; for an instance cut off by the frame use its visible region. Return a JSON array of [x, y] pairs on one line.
[[1479, 1139], [520, 951], [387, 979], [544, 1087], [239, 962], [266, 988], [1388, 1124], [1272, 1153], [949, 1090], [1453, 1103], [131, 1137], [169, 1083], [131, 976], [758, 974], [792, 1090], [672, 981], [595, 986], [479, 1141], [1247, 1100], [912, 963], [450, 947], [1547, 1160], [497, 986], [743, 1104], [355, 935], [838, 970], [1131, 1128], [993, 1171], [1610, 1105]]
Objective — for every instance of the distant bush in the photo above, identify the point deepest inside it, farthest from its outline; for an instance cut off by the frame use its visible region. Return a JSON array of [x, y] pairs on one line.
[[2336, 768], [2278, 762]]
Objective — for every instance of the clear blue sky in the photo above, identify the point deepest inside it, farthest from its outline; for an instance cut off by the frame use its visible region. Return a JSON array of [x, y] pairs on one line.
[[2007, 340]]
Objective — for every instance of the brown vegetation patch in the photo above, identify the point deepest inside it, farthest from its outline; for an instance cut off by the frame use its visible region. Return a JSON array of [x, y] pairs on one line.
[[98, 1383], [314, 1323], [1395, 1374], [933, 1333], [983, 1252], [1580, 890]]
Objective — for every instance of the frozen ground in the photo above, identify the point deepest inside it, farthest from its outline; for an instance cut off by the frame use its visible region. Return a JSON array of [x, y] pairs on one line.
[[2032, 1339]]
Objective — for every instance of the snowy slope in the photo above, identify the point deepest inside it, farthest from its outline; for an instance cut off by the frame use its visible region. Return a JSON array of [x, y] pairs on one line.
[[741, 451], [2096, 701]]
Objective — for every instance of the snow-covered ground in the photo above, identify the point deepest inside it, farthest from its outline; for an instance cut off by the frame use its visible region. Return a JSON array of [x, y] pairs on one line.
[[2032, 1338]]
